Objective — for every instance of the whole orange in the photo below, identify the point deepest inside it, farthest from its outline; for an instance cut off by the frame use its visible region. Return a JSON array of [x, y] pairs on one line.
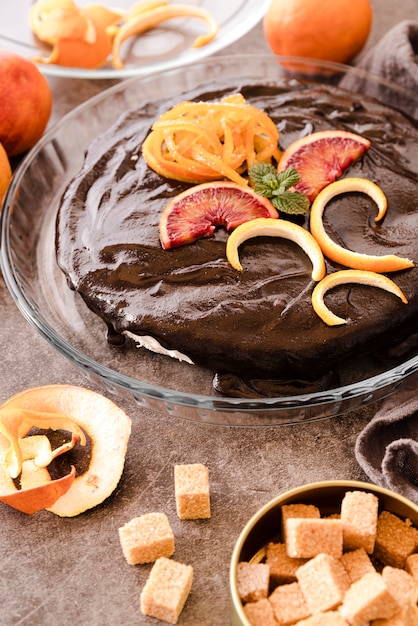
[[333, 30], [26, 103], [5, 173]]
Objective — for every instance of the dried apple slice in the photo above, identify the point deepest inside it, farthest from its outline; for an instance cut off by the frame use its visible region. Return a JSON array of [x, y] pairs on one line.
[[33, 475], [101, 420], [16, 422], [35, 499]]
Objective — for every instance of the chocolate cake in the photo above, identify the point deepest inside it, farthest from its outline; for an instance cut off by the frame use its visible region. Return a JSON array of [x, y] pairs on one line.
[[258, 323]]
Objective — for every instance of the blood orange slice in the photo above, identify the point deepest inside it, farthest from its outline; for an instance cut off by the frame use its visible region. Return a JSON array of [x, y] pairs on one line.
[[196, 212], [322, 157]]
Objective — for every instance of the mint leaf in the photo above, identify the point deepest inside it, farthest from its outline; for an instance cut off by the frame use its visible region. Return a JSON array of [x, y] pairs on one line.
[[259, 170], [274, 185], [291, 202], [288, 178]]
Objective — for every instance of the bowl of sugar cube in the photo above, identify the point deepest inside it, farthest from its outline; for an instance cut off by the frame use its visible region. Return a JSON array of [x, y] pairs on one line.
[[333, 553]]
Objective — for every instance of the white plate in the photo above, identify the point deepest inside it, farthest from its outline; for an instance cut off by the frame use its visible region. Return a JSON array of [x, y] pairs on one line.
[[167, 46]]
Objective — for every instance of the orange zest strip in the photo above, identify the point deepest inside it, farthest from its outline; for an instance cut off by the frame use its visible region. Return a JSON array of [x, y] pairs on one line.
[[199, 142], [349, 258], [343, 277], [269, 227]]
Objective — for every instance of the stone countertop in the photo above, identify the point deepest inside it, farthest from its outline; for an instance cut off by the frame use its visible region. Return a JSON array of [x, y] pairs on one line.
[[72, 571]]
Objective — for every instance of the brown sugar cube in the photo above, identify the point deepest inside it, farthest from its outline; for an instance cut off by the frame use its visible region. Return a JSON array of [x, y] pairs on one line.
[[408, 616], [357, 563], [297, 510], [324, 582], [260, 613], [306, 538], [401, 585], [359, 511], [395, 540], [330, 618], [146, 538], [253, 581], [282, 567], [166, 590], [289, 604], [411, 565], [191, 486], [368, 599]]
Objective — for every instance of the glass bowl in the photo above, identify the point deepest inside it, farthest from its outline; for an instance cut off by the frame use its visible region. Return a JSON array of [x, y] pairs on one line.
[[41, 294], [265, 525]]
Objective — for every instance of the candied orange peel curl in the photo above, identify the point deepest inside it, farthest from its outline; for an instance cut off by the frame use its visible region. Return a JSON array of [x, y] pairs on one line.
[[88, 37], [197, 142]]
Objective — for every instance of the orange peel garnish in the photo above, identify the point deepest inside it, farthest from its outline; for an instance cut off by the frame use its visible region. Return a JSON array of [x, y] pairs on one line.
[[269, 227], [342, 277], [146, 19], [343, 256], [197, 142]]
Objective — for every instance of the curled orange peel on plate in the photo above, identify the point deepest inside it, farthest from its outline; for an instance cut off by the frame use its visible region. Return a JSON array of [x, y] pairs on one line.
[[52, 20], [269, 227], [197, 142], [343, 256], [88, 36], [143, 20], [103, 16], [342, 277], [79, 37]]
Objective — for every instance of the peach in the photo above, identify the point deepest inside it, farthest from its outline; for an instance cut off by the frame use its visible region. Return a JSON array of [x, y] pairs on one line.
[[5, 173], [26, 103]]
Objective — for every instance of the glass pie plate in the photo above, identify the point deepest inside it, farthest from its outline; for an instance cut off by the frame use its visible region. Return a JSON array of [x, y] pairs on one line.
[[41, 294]]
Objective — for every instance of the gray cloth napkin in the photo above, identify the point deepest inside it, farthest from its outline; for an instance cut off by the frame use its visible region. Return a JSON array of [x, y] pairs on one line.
[[394, 60], [387, 448]]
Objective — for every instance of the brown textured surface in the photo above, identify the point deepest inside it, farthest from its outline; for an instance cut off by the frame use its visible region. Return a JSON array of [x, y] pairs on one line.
[[73, 571]]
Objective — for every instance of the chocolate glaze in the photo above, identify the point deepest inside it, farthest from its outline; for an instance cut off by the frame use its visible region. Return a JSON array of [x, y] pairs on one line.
[[258, 323]]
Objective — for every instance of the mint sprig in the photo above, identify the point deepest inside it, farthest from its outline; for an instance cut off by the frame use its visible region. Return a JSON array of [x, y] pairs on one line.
[[274, 185]]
